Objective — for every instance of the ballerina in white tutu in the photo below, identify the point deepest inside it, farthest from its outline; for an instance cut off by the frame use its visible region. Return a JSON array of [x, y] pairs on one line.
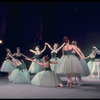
[[83, 62], [48, 77], [34, 67], [69, 63], [54, 52], [20, 56], [20, 74], [7, 65]]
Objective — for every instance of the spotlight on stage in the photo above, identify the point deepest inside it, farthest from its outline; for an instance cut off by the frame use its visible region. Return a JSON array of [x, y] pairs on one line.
[[1, 42]]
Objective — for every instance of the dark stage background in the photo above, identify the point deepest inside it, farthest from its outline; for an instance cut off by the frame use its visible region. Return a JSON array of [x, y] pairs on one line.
[[27, 24]]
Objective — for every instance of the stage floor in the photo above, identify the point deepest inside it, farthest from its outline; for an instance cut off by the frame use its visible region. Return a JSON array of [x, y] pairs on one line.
[[90, 89]]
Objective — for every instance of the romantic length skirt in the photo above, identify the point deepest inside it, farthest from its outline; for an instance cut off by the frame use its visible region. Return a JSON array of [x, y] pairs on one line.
[[35, 68], [46, 79], [7, 66], [20, 76]]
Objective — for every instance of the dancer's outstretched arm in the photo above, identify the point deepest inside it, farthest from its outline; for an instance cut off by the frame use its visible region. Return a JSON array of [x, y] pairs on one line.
[[12, 62], [34, 61], [87, 57], [78, 52], [43, 49], [49, 46], [53, 62], [60, 47], [91, 56], [14, 54], [32, 51], [23, 55], [81, 52]]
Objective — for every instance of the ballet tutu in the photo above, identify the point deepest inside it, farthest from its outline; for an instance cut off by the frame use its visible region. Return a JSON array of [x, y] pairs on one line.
[[85, 67], [69, 64], [46, 79], [20, 75], [7, 66], [35, 68], [53, 66]]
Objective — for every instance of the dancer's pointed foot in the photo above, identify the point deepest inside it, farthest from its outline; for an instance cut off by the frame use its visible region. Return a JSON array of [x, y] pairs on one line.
[[61, 85]]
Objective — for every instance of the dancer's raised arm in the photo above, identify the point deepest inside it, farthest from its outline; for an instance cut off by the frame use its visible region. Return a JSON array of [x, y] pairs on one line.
[[80, 52], [90, 56], [49, 46], [32, 51], [77, 52], [14, 54], [23, 55], [43, 49], [60, 47]]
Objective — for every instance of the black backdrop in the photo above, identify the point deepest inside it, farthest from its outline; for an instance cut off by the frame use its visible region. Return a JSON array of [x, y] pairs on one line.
[[27, 24]]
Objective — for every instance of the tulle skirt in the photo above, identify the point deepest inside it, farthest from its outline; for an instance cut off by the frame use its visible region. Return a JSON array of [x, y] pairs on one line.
[[20, 76], [7, 66], [35, 68], [69, 64], [53, 66], [85, 67], [46, 79]]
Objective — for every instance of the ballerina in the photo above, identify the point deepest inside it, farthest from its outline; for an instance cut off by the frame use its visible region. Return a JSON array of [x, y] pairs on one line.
[[7, 65], [96, 63], [46, 78], [54, 52], [18, 55], [83, 62], [69, 63], [34, 67], [20, 74]]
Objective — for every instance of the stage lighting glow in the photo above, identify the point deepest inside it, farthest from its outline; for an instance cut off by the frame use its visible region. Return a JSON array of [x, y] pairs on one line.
[[1, 42]]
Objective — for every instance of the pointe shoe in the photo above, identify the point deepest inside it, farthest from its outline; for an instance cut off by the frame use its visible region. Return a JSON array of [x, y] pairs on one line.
[[61, 85], [93, 76], [80, 84], [89, 76]]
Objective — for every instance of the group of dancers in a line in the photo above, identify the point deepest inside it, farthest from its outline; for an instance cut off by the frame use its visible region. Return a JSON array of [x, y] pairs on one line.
[[72, 63]]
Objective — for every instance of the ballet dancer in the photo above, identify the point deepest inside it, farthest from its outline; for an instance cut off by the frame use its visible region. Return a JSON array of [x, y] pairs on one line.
[[34, 67], [46, 78]]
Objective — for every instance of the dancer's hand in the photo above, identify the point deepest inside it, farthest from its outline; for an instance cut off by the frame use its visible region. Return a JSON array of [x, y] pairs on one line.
[[94, 47], [30, 50], [27, 59], [46, 43], [83, 58]]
